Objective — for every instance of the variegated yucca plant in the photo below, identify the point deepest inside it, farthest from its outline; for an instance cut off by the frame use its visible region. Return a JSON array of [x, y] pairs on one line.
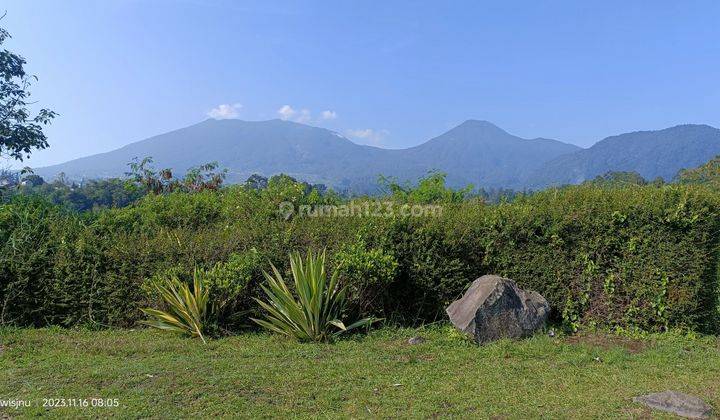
[[313, 312], [187, 310]]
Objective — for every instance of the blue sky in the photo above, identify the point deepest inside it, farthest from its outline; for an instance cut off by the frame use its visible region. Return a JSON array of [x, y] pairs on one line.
[[392, 73]]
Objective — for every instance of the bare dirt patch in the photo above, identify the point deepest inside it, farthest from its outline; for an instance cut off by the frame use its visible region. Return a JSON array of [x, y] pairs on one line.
[[607, 342]]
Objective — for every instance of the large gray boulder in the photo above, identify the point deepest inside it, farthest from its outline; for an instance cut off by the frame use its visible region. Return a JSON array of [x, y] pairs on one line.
[[677, 403], [494, 308]]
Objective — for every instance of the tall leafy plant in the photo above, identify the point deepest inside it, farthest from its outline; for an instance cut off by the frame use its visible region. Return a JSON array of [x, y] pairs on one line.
[[187, 310], [20, 132], [314, 311]]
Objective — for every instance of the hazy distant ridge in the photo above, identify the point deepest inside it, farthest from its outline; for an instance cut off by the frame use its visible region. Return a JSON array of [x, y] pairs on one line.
[[475, 152]]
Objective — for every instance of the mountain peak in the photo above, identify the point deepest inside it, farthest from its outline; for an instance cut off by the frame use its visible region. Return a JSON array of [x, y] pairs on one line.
[[476, 130], [691, 127], [475, 152], [479, 124]]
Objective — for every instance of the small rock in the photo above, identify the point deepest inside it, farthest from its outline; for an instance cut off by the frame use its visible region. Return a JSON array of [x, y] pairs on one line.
[[677, 403], [551, 333], [416, 340], [494, 308]]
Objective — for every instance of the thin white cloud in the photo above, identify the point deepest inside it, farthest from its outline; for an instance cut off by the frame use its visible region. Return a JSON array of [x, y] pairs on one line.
[[368, 135], [304, 116], [225, 111], [329, 115], [286, 112]]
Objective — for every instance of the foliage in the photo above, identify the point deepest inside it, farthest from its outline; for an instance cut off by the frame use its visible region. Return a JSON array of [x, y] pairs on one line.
[[256, 182], [186, 310], [20, 132], [230, 284], [314, 311], [284, 188], [614, 179], [203, 177], [143, 176], [496, 195], [434, 264], [707, 174], [33, 180], [430, 189], [89, 195], [644, 257], [142, 180], [47, 265], [368, 274], [8, 179]]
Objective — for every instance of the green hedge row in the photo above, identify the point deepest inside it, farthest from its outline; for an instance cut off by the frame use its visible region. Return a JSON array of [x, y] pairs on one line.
[[643, 257]]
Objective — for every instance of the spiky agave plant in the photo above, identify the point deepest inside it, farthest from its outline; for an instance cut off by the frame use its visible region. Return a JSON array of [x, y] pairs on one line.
[[314, 311], [187, 310]]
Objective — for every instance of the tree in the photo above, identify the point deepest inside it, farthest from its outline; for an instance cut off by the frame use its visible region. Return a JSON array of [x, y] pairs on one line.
[[204, 177], [430, 189], [256, 182], [706, 174], [8, 178], [283, 187], [20, 132], [33, 180], [613, 179], [100, 193], [142, 175]]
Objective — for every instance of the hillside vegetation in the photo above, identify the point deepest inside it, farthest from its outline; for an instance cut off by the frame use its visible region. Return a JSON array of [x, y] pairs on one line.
[[657, 154]]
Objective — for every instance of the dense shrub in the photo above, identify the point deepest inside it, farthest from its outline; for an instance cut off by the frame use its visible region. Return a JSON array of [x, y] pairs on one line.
[[47, 265], [643, 257], [368, 275], [640, 256], [433, 266], [232, 284]]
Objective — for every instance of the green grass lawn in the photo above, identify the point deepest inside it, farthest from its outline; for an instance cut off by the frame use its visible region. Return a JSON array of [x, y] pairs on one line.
[[379, 375]]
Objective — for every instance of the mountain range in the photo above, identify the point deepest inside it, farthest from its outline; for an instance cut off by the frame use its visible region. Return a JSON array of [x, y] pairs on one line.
[[475, 152]]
